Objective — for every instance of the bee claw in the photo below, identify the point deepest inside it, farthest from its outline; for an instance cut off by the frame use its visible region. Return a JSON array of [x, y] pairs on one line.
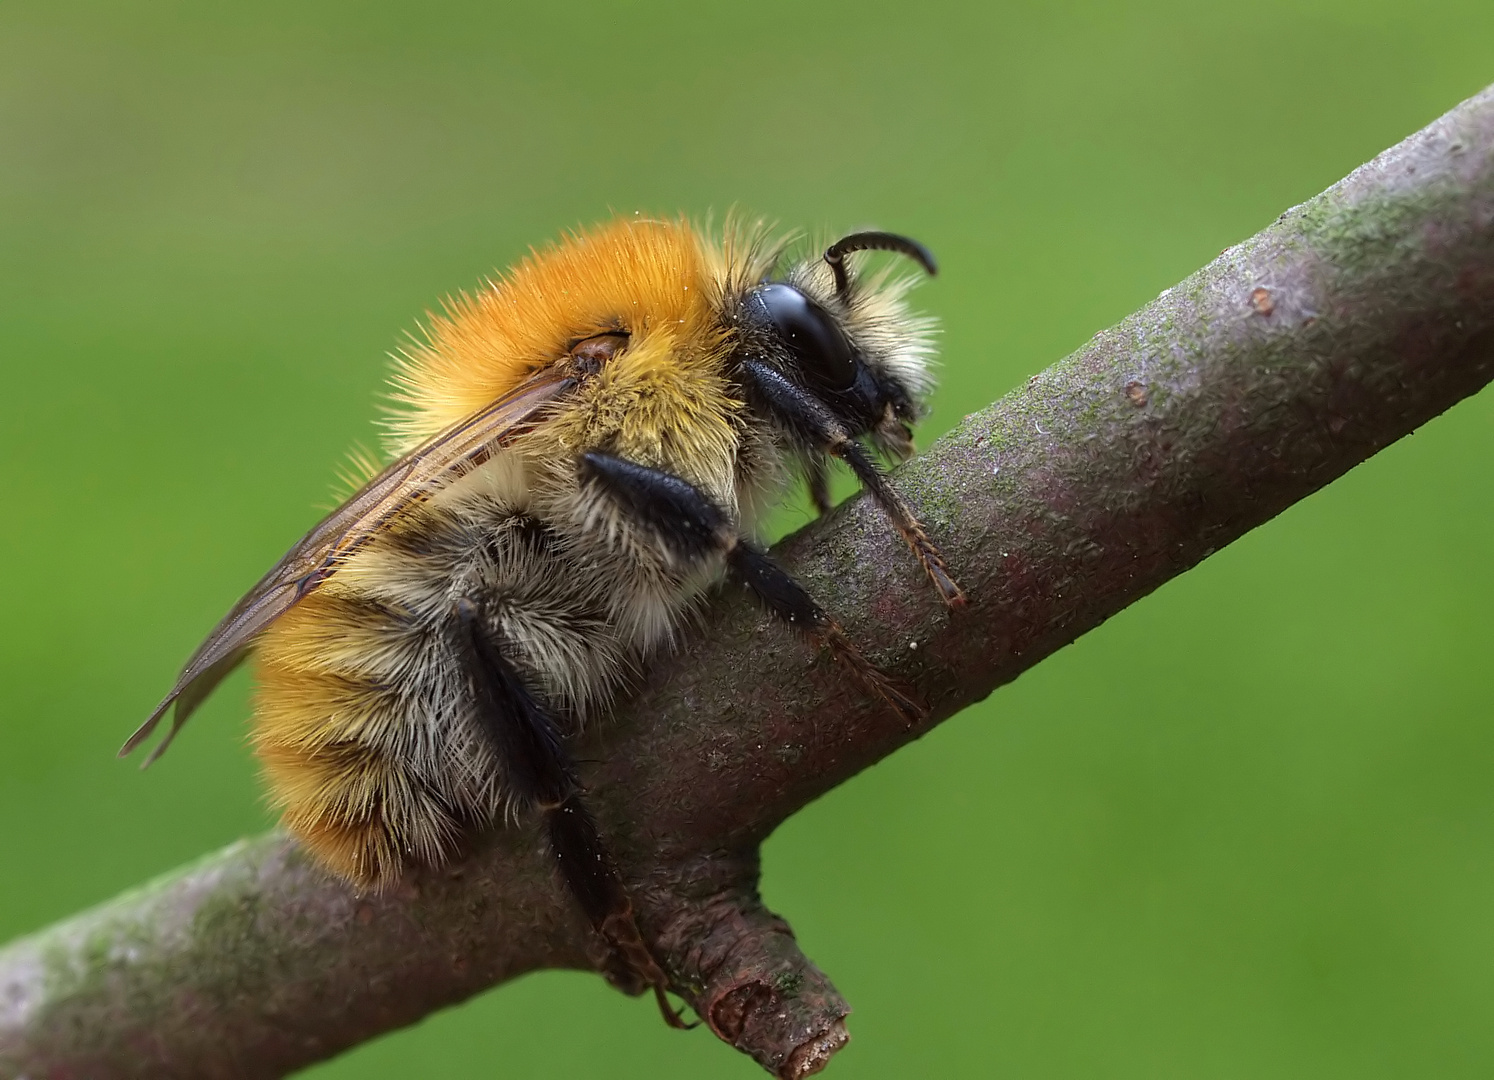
[[632, 966], [874, 678]]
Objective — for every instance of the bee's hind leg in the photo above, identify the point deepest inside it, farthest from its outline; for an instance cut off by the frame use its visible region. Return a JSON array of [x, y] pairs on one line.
[[542, 773], [693, 527]]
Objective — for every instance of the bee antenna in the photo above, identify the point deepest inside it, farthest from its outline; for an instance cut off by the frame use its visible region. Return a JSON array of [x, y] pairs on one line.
[[836, 253]]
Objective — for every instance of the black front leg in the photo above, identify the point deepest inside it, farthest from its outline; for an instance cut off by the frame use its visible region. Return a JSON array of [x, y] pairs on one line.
[[674, 510], [693, 527], [813, 423], [541, 774]]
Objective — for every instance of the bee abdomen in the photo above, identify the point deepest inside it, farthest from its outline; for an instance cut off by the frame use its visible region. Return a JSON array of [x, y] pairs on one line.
[[362, 812], [349, 747], [365, 721]]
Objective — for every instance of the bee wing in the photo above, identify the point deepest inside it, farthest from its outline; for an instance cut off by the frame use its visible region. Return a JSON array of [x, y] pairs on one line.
[[316, 556]]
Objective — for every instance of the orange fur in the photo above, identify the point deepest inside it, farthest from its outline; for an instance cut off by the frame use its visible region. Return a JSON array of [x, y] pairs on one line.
[[484, 344]]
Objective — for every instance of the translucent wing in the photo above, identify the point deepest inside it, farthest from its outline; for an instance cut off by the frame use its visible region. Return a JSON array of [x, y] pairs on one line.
[[316, 556]]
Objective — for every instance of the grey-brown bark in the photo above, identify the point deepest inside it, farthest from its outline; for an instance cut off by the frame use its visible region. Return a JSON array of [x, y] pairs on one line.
[[1351, 320]]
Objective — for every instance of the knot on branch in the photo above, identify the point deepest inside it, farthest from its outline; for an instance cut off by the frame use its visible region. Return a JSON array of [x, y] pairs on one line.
[[740, 969]]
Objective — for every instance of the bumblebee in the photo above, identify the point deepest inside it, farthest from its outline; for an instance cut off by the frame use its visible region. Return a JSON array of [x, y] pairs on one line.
[[581, 450]]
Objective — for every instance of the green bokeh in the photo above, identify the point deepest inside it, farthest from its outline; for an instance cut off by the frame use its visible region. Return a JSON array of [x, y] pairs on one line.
[[1246, 829]]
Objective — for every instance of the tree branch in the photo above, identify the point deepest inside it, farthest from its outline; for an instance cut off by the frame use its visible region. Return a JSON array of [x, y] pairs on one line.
[[1295, 355]]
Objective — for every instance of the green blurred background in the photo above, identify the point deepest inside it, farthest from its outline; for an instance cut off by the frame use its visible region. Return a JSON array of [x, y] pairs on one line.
[[1246, 829]]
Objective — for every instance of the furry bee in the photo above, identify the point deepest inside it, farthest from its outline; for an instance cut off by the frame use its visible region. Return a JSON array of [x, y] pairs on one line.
[[581, 450]]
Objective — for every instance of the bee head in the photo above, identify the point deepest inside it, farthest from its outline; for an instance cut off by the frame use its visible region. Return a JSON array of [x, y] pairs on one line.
[[849, 342]]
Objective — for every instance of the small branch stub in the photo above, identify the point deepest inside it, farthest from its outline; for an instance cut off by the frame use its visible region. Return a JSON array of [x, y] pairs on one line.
[[749, 982]]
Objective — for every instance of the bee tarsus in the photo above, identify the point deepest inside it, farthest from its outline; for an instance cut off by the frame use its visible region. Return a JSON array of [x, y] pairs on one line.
[[788, 600]]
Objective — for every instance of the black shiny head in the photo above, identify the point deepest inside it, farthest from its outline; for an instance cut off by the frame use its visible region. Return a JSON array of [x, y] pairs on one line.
[[807, 331], [856, 353]]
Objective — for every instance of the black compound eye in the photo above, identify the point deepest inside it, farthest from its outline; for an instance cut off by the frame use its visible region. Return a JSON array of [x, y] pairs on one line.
[[807, 330]]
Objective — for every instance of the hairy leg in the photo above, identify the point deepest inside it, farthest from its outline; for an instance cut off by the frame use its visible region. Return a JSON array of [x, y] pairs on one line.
[[693, 527], [542, 774], [815, 424]]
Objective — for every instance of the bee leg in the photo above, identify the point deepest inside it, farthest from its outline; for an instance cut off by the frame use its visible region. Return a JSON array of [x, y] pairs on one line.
[[692, 527], [817, 479], [812, 421], [542, 773], [788, 600]]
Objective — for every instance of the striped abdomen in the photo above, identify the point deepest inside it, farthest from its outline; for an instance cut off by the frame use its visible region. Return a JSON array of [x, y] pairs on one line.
[[364, 720]]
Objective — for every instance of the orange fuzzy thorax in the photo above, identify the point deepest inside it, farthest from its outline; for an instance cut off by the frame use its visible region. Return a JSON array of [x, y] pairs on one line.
[[486, 343]]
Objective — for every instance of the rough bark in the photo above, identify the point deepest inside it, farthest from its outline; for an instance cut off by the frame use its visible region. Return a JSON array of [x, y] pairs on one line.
[[1295, 355]]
